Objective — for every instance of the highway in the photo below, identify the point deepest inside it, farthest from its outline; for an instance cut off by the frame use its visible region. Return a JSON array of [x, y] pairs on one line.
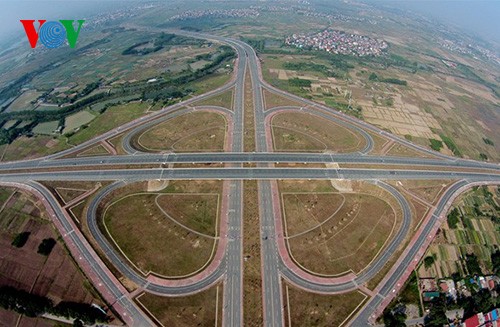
[[233, 169], [242, 157]]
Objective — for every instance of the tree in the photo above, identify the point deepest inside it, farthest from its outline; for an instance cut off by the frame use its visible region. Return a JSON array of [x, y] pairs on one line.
[[437, 314], [495, 260], [23, 302], [46, 246], [373, 77], [473, 264], [20, 239], [395, 317], [453, 218]]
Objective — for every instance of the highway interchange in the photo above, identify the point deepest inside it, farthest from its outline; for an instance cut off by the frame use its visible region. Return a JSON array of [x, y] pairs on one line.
[[276, 264]]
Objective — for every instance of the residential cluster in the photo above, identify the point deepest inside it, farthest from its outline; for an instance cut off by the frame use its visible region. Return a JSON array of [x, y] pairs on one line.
[[339, 42], [468, 49], [216, 13], [106, 17], [430, 289], [490, 319]]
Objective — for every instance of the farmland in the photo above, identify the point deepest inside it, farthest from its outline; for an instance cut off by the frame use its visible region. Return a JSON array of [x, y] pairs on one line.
[[474, 231], [55, 275]]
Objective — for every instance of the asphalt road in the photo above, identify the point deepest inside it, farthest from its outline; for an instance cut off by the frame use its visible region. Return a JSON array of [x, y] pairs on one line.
[[242, 157], [238, 173]]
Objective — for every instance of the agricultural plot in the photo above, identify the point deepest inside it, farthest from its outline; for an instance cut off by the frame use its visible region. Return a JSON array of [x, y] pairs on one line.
[[56, 275], [77, 120], [420, 110], [48, 128], [474, 229], [24, 101]]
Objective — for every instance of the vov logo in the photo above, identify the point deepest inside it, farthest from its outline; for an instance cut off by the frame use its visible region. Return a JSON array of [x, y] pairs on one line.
[[52, 34]]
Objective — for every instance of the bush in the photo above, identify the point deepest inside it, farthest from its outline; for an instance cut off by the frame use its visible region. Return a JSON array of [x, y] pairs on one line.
[[299, 82], [451, 145], [429, 261], [473, 264], [394, 81], [20, 239], [436, 145], [488, 141]]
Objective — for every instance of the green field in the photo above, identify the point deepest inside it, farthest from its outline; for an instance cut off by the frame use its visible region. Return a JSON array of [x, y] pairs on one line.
[[77, 120], [47, 128]]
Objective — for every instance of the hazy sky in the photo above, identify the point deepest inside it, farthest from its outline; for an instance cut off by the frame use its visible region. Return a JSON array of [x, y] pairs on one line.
[[479, 16]]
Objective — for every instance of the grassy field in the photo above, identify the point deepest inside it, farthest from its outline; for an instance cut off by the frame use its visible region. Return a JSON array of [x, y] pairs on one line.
[[32, 147], [97, 150], [305, 132], [136, 222], [249, 117], [40, 145], [197, 131], [252, 278], [143, 232], [211, 82], [201, 309], [198, 212], [222, 100], [308, 309], [113, 117], [346, 236], [305, 211], [273, 100]]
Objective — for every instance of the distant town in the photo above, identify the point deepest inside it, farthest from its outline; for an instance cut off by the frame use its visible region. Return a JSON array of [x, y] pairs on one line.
[[339, 42], [215, 13]]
